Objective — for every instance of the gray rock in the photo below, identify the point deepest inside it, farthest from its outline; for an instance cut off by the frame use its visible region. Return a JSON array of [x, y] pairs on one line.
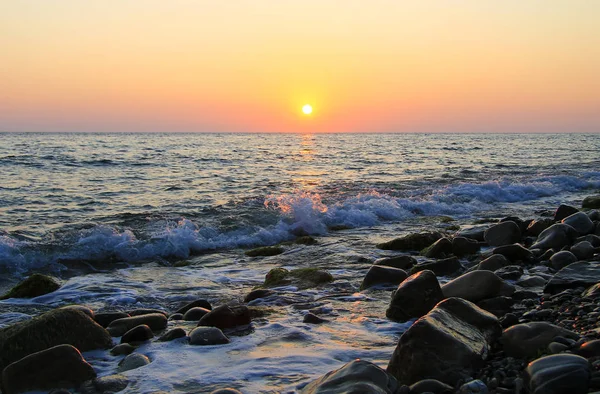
[[526, 339], [104, 319], [195, 314], [583, 250], [514, 252], [226, 316], [441, 267], [402, 262], [580, 274], [475, 233], [499, 306], [592, 202], [156, 322], [382, 275], [504, 233], [355, 377], [411, 241], [462, 246], [256, 294], [539, 225], [580, 222], [555, 237], [447, 344], [591, 238], [431, 386], [139, 333], [564, 211], [122, 349], [473, 387], [105, 384], [475, 286], [226, 391], [589, 349], [414, 297], [510, 272], [34, 286], [562, 259], [592, 291], [203, 336], [172, 335], [176, 317], [146, 311], [556, 348], [202, 303], [438, 249], [494, 262], [133, 361], [558, 374], [532, 281]]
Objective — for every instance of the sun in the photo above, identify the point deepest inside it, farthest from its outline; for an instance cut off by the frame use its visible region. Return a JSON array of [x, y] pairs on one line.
[[307, 109]]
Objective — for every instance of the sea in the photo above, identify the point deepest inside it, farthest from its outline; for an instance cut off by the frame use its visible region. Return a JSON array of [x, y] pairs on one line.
[[149, 220]]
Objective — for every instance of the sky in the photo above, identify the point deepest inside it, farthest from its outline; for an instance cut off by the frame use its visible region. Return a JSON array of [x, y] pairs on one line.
[[250, 66]]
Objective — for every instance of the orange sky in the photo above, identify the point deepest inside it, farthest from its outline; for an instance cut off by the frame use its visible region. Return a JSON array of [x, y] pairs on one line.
[[393, 66]]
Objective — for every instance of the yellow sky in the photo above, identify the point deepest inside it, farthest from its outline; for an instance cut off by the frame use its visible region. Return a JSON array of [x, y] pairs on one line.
[[395, 66]]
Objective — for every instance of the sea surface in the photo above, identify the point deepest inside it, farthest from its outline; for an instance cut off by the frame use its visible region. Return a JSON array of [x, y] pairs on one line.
[[154, 220]]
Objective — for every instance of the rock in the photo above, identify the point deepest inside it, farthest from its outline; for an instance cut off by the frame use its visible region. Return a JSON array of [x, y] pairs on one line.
[[382, 275], [156, 322], [431, 386], [311, 318], [265, 251], [498, 306], [526, 339], [591, 202], [139, 333], [105, 384], [474, 233], [303, 278], [494, 262], [556, 348], [144, 311], [172, 335], [447, 344], [122, 349], [402, 262], [438, 249], [462, 246], [203, 336], [510, 272], [591, 238], [558, 374], [537, 226], [504, 233], [509, 320], [225, 317], [176, 317], [562, 259], [57, 327], [305, 240], [414, 297], [514, 252], [202, 303], [133, 361], [226, 391], [34, 286], [195, 313], [104, 319], [580, 274], [475, 286], [589, 349], [564, 211], [583, 250], [411, 241], [532, 281], [355, 377], [473, 387], [580, 222], [592, 291], [555, 237], [81, 308], [258, 293], [439, 267], [56, 367]]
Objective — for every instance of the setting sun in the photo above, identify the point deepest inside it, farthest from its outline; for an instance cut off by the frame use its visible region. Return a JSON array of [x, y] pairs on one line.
[[307, 109]]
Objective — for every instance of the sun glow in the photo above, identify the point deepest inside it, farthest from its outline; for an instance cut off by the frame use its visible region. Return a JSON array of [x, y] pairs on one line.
[[307, 109]]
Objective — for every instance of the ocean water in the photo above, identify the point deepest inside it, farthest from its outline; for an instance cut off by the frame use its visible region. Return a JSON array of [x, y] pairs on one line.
[[155, 220]]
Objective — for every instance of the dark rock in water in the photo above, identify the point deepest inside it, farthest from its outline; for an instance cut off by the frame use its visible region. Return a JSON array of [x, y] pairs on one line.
[[510, 272], [56, 367], [462, 246], [474, 233], [198, 303], [414, 297], [133, 361], [225, 316], [416, 241], [440, 267], [583, 250], [172, 335], [580, 274], [494, 262], [504, 233], [204, 336], [564, 211], [34, 286], [592, 291], [555, 237], [580, 222], [592, 202], [558, 374], [514, 252], [382, 275], [57, 327], [589, 349], [562, 259], [104, 319], [438, 249], [258, 293], [311, 318], [357, 376], [265, 251], [526, 339], [156, 322], [105, 384], [139, 333], [498, 306], [195, 313], [303, 278], [475, 286], [122, 349], [402, 262], [141, 312], [448, 344], [431, 386], [536, 227]]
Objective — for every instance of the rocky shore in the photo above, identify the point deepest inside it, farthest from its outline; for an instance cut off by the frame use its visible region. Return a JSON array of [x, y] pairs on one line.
[[504, 307]]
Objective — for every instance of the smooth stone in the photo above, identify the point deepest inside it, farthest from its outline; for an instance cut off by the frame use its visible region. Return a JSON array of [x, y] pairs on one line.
[[509, 320], [226, 316], [195, 314], [592, 291], [172, 335], [462, 246], [50, 368], [176, 317], [156, 322], [504, 233], [556, 348], [416, 241], [441, 267], [514, 252], [581, 222], [562, 259], [302, 278], [494, 262], [537, 226], [475, 286], [592, 202], [265, 251], [589, 349], [510, 272], [382, 275], [403, 262], [555, 237], [139, 333], [474, 233], [226, 391], [558, 374], [34, 286], [532, 281], [105, 384], [258, 293], [564, 211], [499, 306], [579, 274], [591, 238], [430, 386], [311, 318], [122, 349], [133, 361], [473, 387], [203, 336], [447, 344], [143, 311], [82, 308], [583, 250], [105, 318], [355, 377], [439, 249], [526, 339], [414, 297], [202, 303]]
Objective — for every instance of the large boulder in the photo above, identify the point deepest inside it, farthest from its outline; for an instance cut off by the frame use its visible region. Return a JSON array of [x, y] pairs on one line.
[[34, 286], [226, 317], [558, 374], [60, 366], [416, 241], [448, 344], [356, 377], [414, 297], [538, 225], [402, 262], [475, 286], [580, 222], [591, 202], [526, 339], [502, 234], [564, 211], [580, 274], [57, 327], [555, 237], [156, 322], [382, 275]]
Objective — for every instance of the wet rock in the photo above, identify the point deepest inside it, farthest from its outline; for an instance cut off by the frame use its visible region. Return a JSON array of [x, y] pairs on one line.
[[34, 286], [431, 386], [473, 387], [591, 238], [589, 349], [156, 322], [592, 291], [474, 233], [305, 240], [447, 344], [532, 281], [226, 391], [57, 327], [139, 333], [556, 348], [462, 246], [555, 237], [475, 286], [498, 306], [265, 251], [105, 384], [562, 259], [494, 262], [526, 339], [172, 335], [122, 349], [176, 317], [357, 376], [414, 297], [514, 252], [144, 311], [203, 336], [558, 374], [591, 202], [441, 267], [537, 226], [50, 368], [303, 278], [411, 242], [402, 262], [104, 319], [133, 361], [504, 233], [509, 320], [226, 316], [311, 318], [564, 211], [438, 249], [510, 272], [580, 274], [202, 303], [382, 275], [258, 293], [583, 250], [195, 313], [580, 222]]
